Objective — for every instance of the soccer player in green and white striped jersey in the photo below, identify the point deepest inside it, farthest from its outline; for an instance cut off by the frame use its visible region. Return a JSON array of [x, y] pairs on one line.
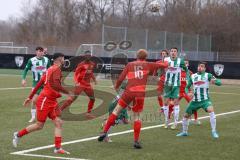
[[172, 84], [200, 82], [38, 65]]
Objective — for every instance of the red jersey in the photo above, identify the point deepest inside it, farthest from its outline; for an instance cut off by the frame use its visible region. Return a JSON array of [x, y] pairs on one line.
[[52, 84], [184, 80], [84, 73], [162, 77], [136, 73]]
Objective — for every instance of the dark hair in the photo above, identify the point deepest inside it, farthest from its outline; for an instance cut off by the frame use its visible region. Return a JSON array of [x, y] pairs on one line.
[[57, 55], [164, 51], [175, 48], [202, 62], [39, 48], [87, 52]]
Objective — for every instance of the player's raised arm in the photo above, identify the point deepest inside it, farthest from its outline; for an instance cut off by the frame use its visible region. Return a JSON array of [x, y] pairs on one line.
[[183, 66], [25, 71], [122, 77], [56, 82], [34, 91], [214, 80], [188, 86]]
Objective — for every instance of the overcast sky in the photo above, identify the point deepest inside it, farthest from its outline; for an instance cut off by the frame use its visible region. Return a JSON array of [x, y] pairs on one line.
[[10, 8]]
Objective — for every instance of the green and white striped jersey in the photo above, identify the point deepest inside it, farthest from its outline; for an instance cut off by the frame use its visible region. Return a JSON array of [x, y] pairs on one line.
[[200, 82], [38, 66], [173, 72]]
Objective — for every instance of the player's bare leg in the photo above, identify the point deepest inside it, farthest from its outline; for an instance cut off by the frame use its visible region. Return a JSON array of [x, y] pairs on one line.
[[110, 122], [58, 136], [137, 129], [212, 115], [33, 109], [31, 128]]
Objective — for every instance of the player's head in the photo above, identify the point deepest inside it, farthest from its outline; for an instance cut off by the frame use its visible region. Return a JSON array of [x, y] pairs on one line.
[[164, 53], [58, 58], [39, 52], [87, 55], [202, 66], [142, 54], [174, 52], [45, 51], [186, 61]]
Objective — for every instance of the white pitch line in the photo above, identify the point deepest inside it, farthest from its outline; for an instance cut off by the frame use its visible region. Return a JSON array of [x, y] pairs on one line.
[[112, 134], [16, 88], [52, 157], [226, 93]]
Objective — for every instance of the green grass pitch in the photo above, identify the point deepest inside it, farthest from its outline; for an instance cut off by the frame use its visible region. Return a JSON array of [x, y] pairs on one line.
[[158, 143]]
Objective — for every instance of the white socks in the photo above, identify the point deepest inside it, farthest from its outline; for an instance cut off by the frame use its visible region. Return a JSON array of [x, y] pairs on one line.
[[165, 111], [176, 114], [185, 123], [213, 121], [33, 113]]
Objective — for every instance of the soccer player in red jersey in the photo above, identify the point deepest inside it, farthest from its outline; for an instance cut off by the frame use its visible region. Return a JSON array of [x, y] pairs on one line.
[[184, 94], [82, 77], [136, 73], [47, 103], [163, 53]]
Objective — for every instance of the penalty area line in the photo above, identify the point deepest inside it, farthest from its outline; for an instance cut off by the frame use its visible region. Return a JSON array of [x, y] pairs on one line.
[[26, 152], [52, 157]]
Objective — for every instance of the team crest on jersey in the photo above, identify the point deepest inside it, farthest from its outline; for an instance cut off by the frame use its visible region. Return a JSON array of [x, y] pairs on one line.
[[218, 69], [19, 60]]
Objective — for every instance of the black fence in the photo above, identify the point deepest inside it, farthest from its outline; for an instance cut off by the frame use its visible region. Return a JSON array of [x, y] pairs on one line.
[[230, 70]]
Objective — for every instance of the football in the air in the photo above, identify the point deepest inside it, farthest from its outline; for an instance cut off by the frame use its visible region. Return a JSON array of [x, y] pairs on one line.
[[154, 7]]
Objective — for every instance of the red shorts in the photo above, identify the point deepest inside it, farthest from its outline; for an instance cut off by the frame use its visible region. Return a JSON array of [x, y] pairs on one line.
[[185, 96], [88, 90], [136, 97], [45, 108], [160, 85]]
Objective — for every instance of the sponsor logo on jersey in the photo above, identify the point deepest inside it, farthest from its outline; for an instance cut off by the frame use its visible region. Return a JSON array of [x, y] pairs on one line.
[[172, 69], [218, 69], [199, 83], [19, 60], [40, 68], [183, 79]]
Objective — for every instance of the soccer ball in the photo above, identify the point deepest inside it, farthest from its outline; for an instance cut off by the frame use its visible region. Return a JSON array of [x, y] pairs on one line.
[[154, 8]]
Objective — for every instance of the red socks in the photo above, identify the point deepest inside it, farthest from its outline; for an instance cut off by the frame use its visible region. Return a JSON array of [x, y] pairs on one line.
[[58, 141], [110, 122], [66, 104], [195, 115], [137, 128], [160, 101], [170, 111], [90, 105], [22, 132]]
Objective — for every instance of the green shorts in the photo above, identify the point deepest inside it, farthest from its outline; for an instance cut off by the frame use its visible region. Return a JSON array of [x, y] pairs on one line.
[[194, 106], [34, 83], [171, 92]]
